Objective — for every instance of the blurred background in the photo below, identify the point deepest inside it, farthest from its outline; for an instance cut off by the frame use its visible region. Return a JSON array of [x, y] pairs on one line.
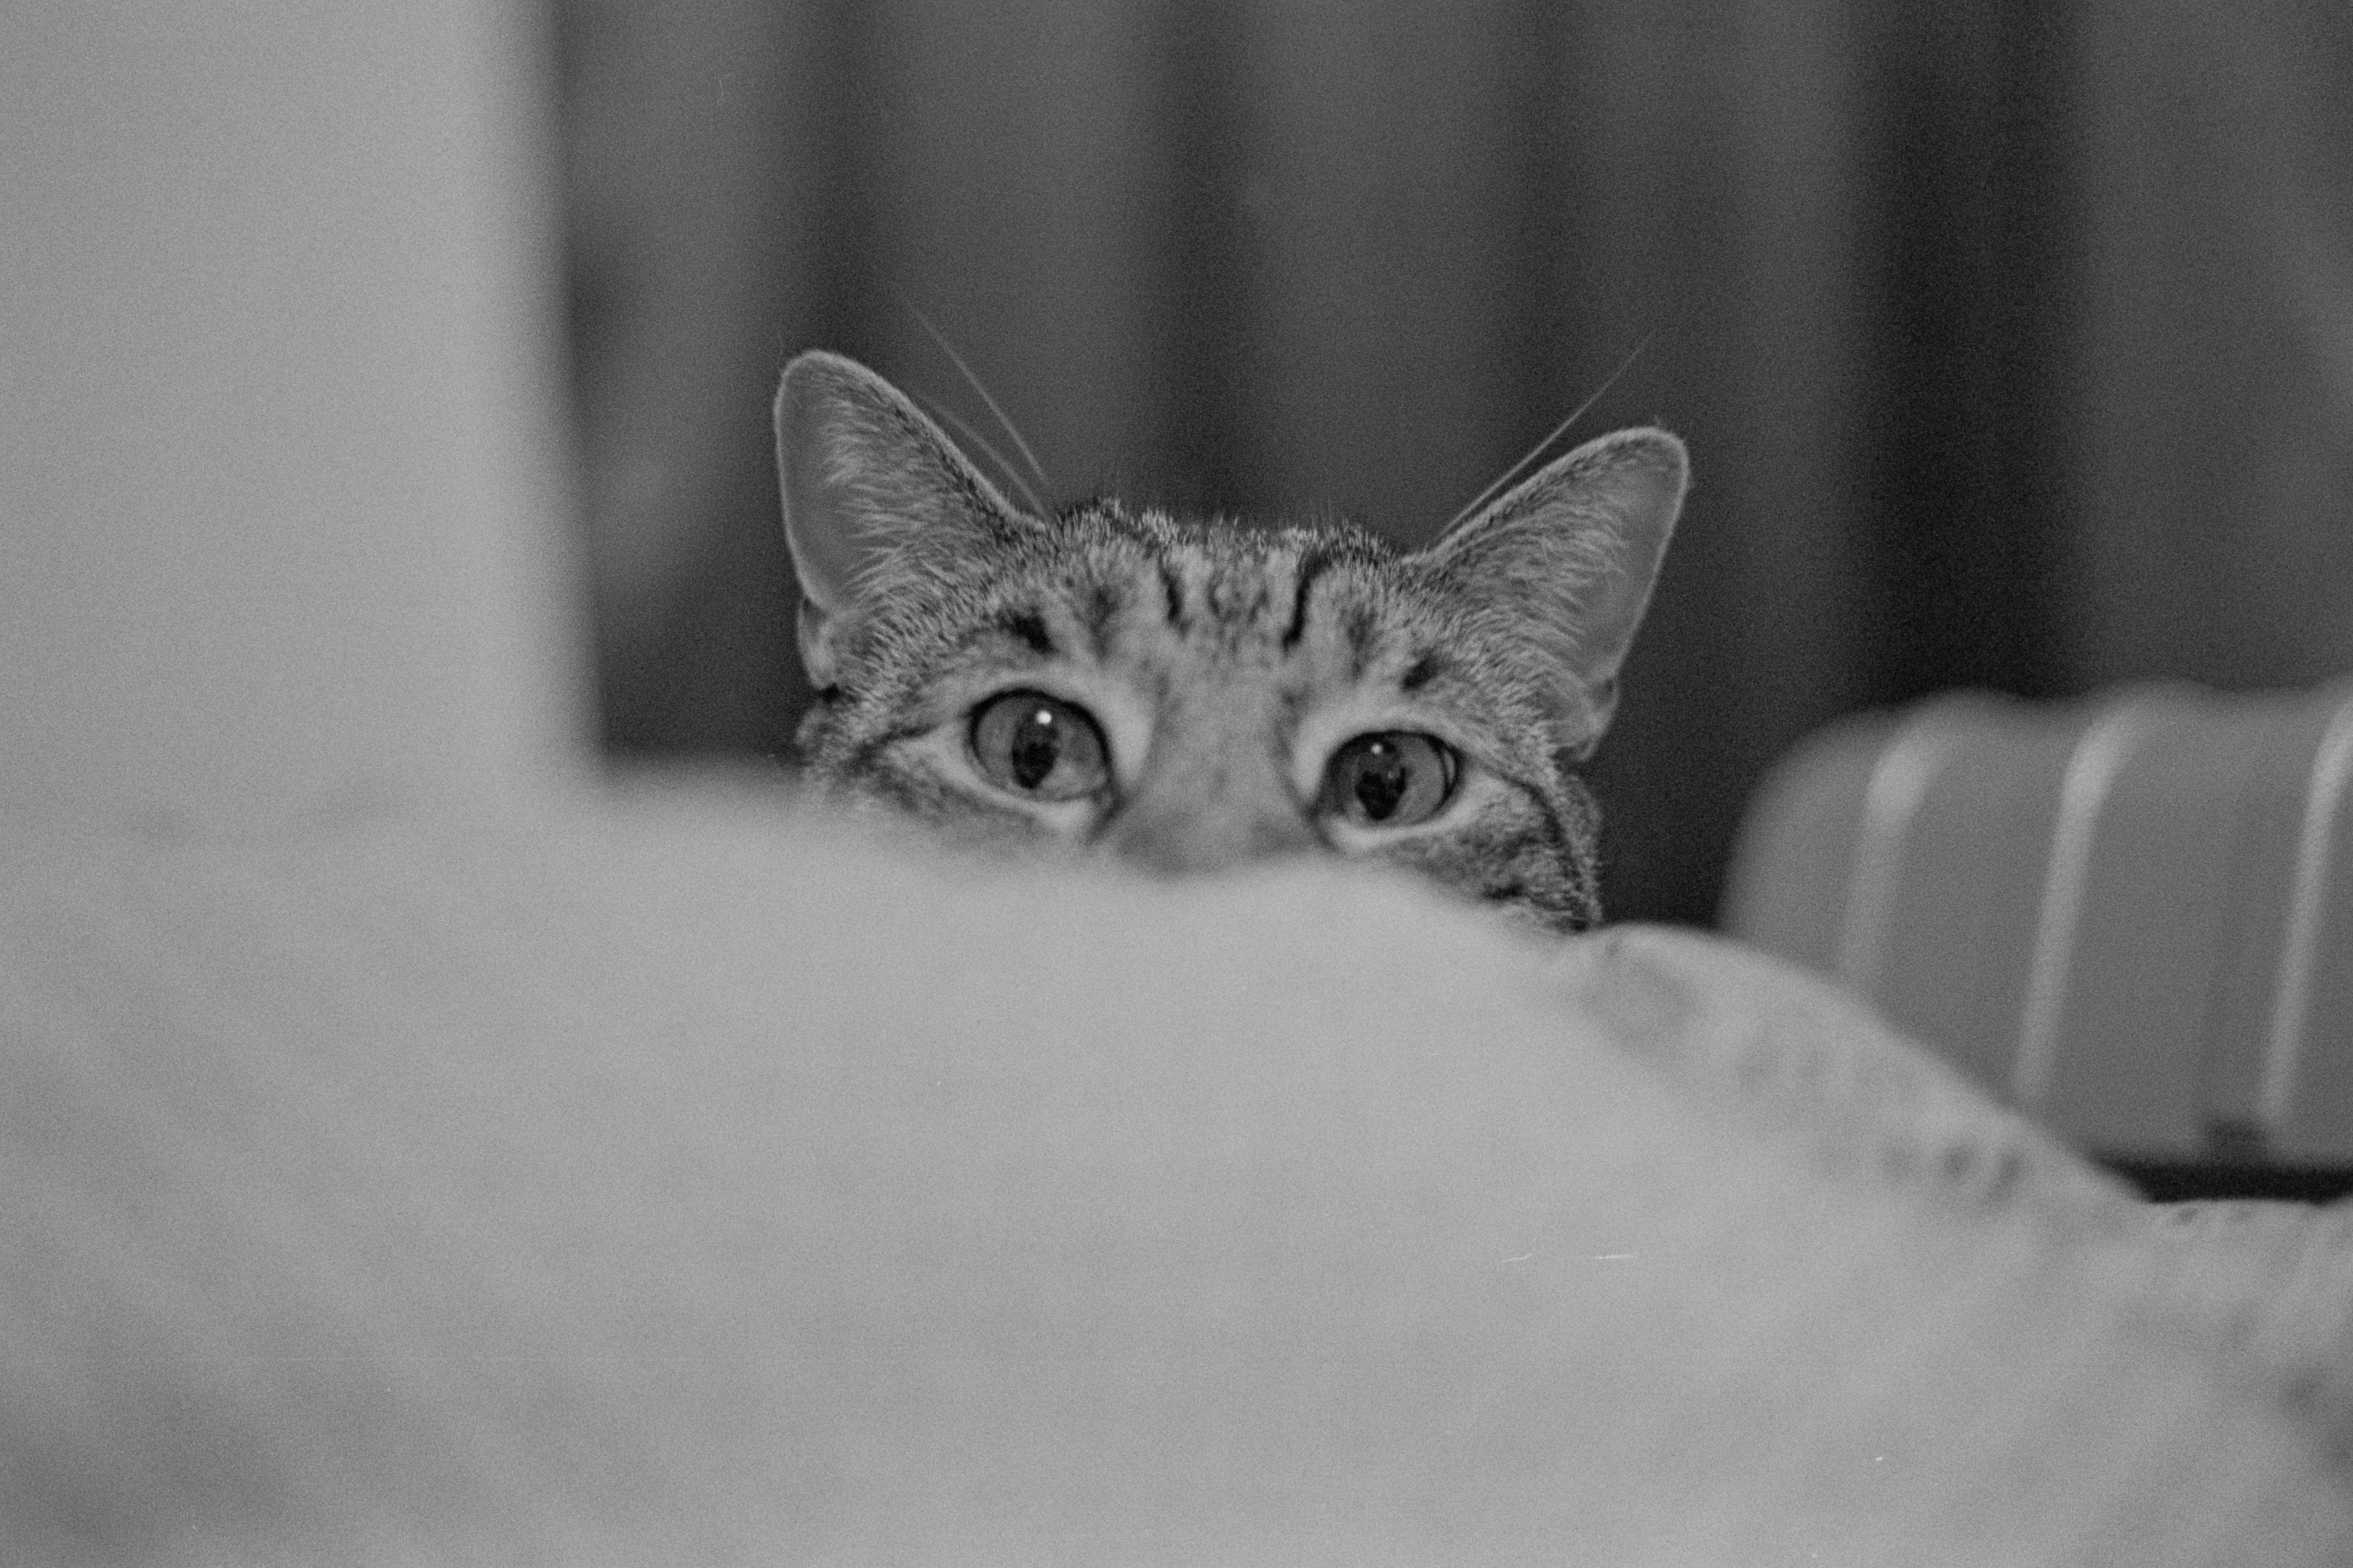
[[2013, 341]]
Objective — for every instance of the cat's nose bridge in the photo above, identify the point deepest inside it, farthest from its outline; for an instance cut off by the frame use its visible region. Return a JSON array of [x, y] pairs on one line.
[[1173, 831], [1209, 805]]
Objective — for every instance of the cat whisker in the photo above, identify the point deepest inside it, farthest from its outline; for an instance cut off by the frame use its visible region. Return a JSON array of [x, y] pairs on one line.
[[965, 432], [973, 381], [1554, 434]]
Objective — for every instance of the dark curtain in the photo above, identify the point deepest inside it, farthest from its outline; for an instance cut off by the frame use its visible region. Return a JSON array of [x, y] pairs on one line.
[[2014, 342]]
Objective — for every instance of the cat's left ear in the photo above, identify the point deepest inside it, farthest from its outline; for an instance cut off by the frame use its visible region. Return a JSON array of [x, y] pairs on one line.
[[875, 497], [1566, 560]]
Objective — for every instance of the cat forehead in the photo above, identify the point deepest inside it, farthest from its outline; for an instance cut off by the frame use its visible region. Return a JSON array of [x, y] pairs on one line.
[[1219, 547], [1214, 584], [1208, 610]]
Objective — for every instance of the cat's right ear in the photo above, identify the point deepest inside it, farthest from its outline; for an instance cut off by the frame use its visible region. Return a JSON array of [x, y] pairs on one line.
[[875, 497], [1566, 559]]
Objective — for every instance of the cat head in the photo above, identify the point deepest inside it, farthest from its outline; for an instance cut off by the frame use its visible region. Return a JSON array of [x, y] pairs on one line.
[[1191, 696]]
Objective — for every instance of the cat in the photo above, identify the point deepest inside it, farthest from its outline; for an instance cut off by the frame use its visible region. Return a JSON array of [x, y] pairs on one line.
[[1190, 696]]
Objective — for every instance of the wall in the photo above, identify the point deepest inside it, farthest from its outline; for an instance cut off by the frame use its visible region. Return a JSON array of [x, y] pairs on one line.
[[284, 488], [2001, 334]]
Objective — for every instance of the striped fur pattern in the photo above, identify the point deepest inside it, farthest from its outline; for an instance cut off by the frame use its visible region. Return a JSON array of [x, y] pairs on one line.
[[1193, 696]]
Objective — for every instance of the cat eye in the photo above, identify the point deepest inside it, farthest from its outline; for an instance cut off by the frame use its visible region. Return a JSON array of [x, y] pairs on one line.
[[1039, 746], [1393, 779]]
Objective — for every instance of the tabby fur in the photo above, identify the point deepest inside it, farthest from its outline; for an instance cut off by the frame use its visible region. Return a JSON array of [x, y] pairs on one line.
[[1223, 666]]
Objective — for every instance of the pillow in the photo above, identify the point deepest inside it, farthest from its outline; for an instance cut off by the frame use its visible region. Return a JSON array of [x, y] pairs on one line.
[[684, 1175]]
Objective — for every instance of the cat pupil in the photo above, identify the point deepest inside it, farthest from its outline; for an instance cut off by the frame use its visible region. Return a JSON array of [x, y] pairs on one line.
[[1383, 782], [1037, 747]]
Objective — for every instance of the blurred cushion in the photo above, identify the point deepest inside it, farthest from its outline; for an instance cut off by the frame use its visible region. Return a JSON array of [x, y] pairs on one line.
[[684, 1176]]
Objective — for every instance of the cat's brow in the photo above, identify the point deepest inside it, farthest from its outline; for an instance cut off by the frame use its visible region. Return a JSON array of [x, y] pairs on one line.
[[1098, 610], [1427, 667], [1172, 585], [1310, 565], [1360, 627], [1030, 627]]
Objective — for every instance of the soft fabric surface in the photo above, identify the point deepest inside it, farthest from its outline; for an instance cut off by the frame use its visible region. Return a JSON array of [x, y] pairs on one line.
[[680, 1177]]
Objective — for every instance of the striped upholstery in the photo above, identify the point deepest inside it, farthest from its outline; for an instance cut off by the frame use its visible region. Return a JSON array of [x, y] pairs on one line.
[[2132, 916]]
